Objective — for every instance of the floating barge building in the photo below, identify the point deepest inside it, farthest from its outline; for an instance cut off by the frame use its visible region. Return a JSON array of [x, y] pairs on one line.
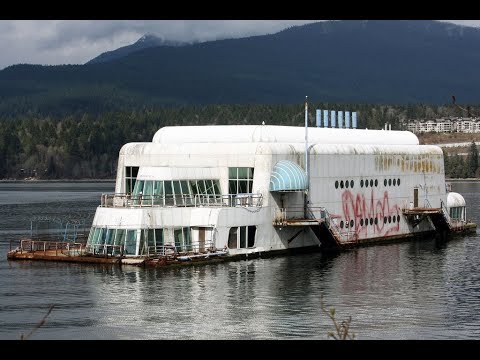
[[222, 192]]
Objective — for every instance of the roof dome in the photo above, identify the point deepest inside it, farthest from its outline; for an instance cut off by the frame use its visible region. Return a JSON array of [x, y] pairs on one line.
[[455, 200]]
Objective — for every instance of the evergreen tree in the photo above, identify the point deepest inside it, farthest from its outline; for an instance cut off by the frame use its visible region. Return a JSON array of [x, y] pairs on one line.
[[472, 160], [447, 165]]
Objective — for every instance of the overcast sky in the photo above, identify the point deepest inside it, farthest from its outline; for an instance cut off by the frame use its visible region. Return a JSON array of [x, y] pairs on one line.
[[53, 42]]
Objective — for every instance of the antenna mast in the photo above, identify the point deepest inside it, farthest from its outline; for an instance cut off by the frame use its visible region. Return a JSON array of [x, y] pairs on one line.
[[306, 157]]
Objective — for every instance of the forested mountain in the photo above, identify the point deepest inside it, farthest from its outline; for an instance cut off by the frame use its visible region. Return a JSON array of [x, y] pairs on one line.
[[380, 61], [70, 121], [87, 146]]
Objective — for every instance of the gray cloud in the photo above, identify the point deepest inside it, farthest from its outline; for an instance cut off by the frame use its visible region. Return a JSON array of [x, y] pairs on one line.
[[77, 41], [71, 31]]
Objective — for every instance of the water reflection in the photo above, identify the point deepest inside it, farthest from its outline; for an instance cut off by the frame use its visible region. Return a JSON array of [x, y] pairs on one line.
[[425, 289]]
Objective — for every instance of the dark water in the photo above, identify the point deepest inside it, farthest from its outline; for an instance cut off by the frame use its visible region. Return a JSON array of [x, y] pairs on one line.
[[412, 290]]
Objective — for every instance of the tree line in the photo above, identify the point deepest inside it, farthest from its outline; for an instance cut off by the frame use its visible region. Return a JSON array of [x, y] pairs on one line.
[[76, 146], [458, 166]]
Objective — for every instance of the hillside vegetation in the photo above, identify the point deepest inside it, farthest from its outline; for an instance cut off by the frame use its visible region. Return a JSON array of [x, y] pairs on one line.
[[86, 146]]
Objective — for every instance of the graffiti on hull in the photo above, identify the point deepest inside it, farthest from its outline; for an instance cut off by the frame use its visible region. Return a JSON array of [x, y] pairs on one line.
[[366, 214]]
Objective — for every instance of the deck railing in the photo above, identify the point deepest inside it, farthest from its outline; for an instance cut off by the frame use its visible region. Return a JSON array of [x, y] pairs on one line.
[[173, 250], [60, 247], [283, 215], [105, 249], [228, 200]]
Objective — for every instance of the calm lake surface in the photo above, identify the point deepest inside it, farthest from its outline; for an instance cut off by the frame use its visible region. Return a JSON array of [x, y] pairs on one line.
[[412, 290]]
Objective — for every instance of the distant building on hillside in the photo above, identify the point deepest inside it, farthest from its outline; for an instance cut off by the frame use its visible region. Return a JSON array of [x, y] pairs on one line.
[[451, 124]]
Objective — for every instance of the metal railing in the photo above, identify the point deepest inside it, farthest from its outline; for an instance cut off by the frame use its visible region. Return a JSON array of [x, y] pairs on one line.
[[342, 236], [445, 212], [453, 223], [282, 215], [228, 200], [105, 249], [173, 250], [60, 247], [321, 214]]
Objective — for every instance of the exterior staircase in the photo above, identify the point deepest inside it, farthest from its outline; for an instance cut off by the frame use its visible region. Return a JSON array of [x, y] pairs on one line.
[[326, 231], [438, 216]]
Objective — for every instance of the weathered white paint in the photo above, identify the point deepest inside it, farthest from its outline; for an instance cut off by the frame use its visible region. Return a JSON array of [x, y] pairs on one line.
[[455, 200], [392, 162], [280, 134]]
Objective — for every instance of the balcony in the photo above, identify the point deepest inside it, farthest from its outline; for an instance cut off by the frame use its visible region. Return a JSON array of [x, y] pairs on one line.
[[199, 200]]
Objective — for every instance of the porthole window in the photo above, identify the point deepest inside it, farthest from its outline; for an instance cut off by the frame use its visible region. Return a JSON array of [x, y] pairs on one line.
[[351, 223], [341, 224], [389, 182], [376, 221], [398, 218], [351, 183], [341, 184], [385, 182], [336, 184], [394, 182], [371, 183], [376, 182], [366, 183], [361, 183], [389, 219], [371, 221], [346, 224], [398, 181], [394, 219], [347, 184], [361, 222], [366, 221], [384, 219]]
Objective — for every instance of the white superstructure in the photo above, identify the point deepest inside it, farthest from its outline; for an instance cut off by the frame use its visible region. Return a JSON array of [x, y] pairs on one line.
[[244, 189]]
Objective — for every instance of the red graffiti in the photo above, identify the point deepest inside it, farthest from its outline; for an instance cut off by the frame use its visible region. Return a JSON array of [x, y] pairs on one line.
[[370, 213]]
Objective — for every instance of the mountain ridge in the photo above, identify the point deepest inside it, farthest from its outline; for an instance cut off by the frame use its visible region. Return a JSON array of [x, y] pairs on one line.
[[146, 41], [350, 61]]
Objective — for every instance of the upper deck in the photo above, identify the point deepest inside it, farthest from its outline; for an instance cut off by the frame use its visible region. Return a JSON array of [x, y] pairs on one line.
[[168, 200]]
